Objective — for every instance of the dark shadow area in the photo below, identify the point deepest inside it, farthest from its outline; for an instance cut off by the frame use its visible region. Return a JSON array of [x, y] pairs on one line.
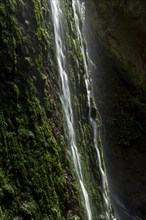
[[120, 93]]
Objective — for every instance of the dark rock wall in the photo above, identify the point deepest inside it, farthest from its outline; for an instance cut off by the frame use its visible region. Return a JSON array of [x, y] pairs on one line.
[[118, 31]]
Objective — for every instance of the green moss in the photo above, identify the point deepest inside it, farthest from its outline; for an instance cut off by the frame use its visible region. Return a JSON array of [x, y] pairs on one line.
[[37, 175], [84, 135], [35, 178]]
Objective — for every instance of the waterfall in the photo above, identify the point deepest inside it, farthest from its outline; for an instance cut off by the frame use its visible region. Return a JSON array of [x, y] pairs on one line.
[[78, 9], [65, 96]]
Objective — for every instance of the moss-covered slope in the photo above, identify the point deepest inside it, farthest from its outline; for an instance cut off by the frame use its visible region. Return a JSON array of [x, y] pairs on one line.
[[35, 181], [37, 176]]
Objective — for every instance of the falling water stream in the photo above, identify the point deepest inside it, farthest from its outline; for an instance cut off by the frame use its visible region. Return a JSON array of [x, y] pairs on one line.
[[65, 96], [79, 17]]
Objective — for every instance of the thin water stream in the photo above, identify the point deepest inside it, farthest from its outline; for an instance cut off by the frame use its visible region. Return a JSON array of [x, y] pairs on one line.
[[57, 17], [78, 9]]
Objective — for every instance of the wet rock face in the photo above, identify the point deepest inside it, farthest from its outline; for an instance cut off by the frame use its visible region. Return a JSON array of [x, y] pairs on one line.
[[121, 26], [119, 52]]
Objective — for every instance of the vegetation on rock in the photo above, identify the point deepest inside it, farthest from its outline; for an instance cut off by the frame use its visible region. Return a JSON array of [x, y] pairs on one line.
[[35, 178]]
